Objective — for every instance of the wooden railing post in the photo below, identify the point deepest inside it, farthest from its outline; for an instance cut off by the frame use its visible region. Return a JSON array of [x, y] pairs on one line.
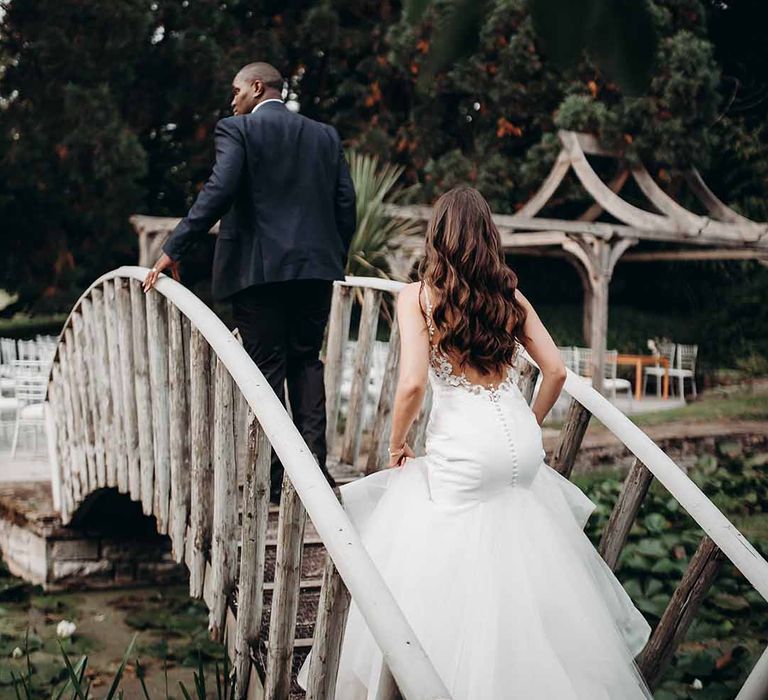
[[680, 611], [338, 335], [80, 345], [157, 340], [571, 435], [329, 633], [90, 371], [250, 593], [111, 328], [201, 509], [366, 336], [528, 375], [179, 438], [125, 332], [285, 596], [107, 424], [224, 540], [143, 396], [76, 448], [63, 440], [633, 492], [378, 455], [96, 386]]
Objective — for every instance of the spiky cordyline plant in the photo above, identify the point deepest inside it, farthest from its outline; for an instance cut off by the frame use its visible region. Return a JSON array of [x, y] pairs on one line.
[[378, 235]]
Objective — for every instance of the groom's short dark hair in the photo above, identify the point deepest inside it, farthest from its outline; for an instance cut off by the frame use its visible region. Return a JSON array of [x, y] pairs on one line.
[[266, 72]]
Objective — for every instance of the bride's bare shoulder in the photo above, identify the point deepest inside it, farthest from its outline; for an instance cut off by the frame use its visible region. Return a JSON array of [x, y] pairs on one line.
[[521, 298], [409, 294]]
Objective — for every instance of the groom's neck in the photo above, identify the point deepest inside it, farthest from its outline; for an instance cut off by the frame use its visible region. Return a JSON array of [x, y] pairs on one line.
[[270, 94]]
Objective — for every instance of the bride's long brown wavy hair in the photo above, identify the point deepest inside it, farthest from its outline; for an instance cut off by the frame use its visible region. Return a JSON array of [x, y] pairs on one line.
[[472, 288]]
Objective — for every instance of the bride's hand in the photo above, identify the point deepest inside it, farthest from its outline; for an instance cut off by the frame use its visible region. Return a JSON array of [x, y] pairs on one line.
[[398, 455]]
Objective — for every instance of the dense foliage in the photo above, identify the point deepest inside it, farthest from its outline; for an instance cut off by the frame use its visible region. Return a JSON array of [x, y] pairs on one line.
[[107, 109], [729, 632]]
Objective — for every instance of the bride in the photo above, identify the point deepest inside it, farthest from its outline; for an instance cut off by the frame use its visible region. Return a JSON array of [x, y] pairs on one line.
[[480, 541]]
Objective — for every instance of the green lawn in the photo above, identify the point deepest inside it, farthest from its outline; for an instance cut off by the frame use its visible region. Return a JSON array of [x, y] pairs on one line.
[[712, 407]]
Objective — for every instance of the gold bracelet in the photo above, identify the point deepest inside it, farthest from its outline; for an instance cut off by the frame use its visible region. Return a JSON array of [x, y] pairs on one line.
[[399, 449]]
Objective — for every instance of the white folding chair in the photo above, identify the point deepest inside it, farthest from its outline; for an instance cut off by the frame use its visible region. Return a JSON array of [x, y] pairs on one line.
[[31, 382], [667, 350], [27, 349], [570, 357], [612, 384], [685, 367], [8, 354]]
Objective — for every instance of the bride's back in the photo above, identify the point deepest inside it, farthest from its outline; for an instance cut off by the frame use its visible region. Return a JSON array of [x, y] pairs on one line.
[[475, 375]]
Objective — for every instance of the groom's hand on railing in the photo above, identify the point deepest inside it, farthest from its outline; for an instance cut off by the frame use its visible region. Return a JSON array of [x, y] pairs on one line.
[[163, 263]]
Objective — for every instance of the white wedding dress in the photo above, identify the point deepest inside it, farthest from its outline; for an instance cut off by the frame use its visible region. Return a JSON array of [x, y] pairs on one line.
[[482, 545]]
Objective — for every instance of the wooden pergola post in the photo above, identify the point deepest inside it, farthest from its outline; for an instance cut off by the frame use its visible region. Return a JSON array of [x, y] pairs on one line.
[[597, 258]]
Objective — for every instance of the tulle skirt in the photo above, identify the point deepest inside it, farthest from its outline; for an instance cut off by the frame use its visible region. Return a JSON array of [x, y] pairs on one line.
[[507, 595]]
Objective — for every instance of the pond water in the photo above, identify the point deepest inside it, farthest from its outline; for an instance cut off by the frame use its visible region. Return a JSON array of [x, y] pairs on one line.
[[170, 629]]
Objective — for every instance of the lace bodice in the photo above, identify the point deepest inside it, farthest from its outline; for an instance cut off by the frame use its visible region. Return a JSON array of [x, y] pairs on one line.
[[443, 369]]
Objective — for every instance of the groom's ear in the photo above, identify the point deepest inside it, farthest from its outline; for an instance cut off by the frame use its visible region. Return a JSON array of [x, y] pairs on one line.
[[258, 87]]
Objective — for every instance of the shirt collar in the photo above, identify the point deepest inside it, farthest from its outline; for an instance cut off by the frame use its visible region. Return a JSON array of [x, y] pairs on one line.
[[271, 99]]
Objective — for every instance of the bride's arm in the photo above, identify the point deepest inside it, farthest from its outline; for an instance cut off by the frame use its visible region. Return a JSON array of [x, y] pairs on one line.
[[542, 348], [414, 365]]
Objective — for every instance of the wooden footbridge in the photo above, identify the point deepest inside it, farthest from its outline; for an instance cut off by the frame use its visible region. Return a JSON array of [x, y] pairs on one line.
[[153, 396]]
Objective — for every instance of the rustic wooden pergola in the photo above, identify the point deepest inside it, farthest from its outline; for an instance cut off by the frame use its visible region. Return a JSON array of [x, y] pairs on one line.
[[593, 247]]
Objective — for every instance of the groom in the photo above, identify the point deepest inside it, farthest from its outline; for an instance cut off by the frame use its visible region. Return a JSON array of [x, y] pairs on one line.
[[282, 189]]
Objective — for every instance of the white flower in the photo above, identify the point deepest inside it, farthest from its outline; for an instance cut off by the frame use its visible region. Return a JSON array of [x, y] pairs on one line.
[[65, 629], [17, 653], [697, 684]]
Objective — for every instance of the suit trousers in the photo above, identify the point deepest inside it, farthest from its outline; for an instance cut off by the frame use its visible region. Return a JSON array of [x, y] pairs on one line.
[[282, 325]]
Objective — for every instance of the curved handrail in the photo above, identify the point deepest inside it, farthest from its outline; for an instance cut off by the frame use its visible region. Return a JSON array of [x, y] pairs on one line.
[[402, 652], [706, 514]]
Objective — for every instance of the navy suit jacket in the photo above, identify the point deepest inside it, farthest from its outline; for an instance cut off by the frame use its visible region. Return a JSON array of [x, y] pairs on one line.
[[282, 189]]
